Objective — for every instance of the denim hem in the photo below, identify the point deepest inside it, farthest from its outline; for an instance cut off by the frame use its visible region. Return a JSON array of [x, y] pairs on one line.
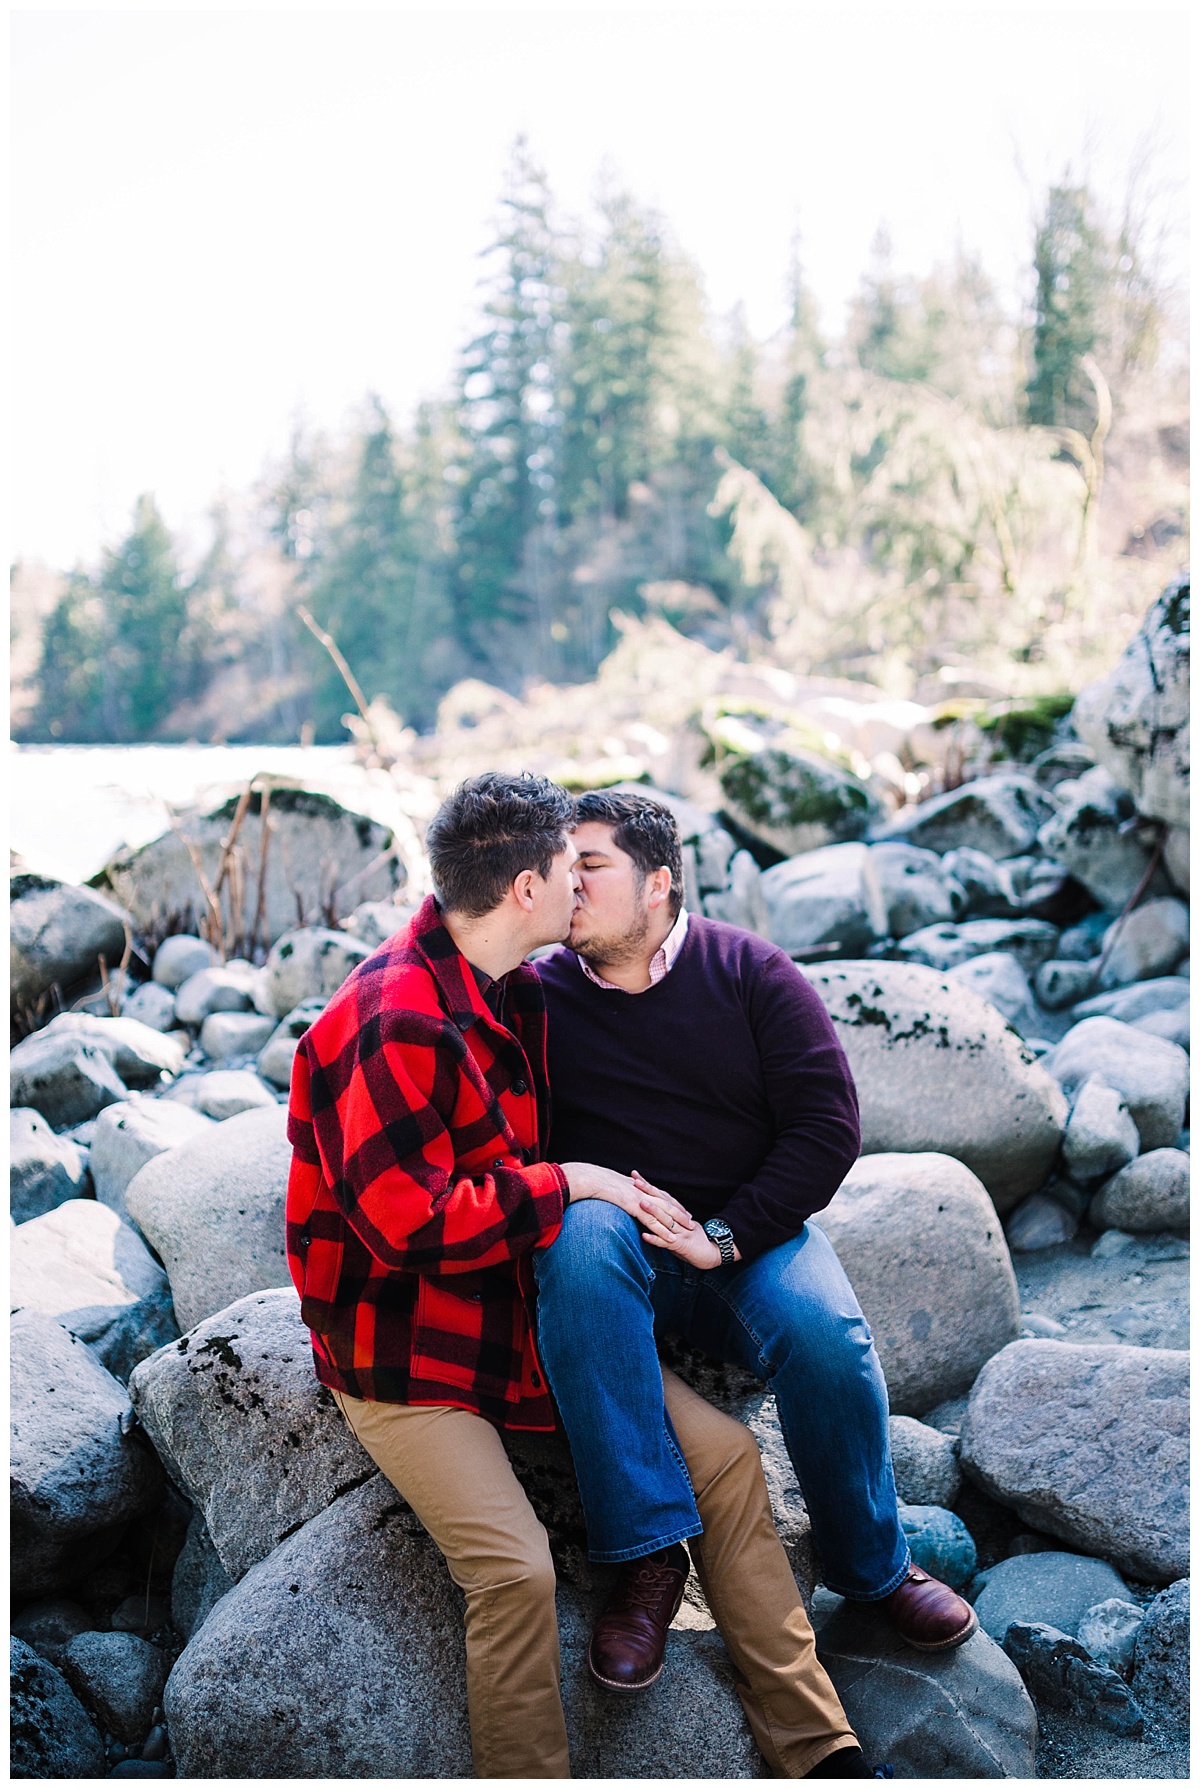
[[875, 1596], [622, 1558]]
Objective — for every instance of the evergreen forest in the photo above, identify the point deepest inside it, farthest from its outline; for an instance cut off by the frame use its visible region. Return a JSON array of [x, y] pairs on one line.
[[945, 485]]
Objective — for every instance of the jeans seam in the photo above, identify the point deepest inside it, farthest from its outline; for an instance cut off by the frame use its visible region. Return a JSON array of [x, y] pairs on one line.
[[760, 1347], [877, 1596], [639, 1552]]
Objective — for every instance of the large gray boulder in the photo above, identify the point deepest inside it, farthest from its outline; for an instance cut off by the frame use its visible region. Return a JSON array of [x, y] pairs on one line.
[[1152, 1193], [181, 955], [65, 1079], [129, 1135], [1088, 1442], [741, 901], [1052, 1587], [924, 1463], [1150, 1074], [963, 1713], [57, 935], [224, 1036], [222, 1093], [1160, 994], [43, 1169], [1101, 1136], [998, 815], [1175, 1026], [1136, 720], [1030, 941], [1162, 1654], [199, 1580], [360, 1599], [279, 1052], [48, 1624], [220, 988], [212, 1209], [1146, 944], [826, 901], [939, 1069], [1109, 1630], [999, 979], [76, 1479], [923, 1248], [915, 887], [150, 1004], [239, 1420], [1091, 836], [374, 922], [322, 861], [1060, 1673], [92, 1273], [119, 1678], [140, 1055], [791, 798], [308, 964], [50, 1733]]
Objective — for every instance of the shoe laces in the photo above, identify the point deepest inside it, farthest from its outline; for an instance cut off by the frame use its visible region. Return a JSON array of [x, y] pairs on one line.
[[645, 1585]]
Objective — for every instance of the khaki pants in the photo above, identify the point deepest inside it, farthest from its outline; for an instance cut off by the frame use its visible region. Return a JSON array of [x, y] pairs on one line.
[[451, 1467]]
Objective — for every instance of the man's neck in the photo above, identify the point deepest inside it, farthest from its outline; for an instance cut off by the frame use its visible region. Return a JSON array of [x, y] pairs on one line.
[[490, 943], [633, 972]]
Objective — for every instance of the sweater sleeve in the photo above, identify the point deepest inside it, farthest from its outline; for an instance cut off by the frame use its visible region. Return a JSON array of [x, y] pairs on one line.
[[814, 1106]]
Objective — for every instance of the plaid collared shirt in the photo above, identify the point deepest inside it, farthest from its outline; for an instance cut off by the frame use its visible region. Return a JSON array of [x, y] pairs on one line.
[[416, 1192], [660, 963]]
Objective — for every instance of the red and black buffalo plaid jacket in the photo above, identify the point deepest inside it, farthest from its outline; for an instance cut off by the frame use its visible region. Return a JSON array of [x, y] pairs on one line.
[[416, 1192]]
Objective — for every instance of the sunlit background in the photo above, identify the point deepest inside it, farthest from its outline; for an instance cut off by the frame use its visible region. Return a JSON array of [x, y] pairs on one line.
[[498, 340]]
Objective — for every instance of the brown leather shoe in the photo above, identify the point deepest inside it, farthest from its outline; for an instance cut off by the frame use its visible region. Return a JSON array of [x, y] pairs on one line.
[[628, 1641], [928, 1614]]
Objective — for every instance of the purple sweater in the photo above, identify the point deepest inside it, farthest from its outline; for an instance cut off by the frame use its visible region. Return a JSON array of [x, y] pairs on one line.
[[723, 1083]]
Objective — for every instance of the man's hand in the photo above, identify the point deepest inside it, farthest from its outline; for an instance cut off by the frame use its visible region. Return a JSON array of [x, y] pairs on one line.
[[587, 1180], [690, 1245]]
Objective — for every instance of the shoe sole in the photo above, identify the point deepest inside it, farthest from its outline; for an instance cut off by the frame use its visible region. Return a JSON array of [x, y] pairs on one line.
[[945, 1645], [621, 1689], [633, 1689]]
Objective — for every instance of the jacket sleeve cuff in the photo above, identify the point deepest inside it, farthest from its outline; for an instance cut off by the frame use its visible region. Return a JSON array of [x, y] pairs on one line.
[[549, 1190]]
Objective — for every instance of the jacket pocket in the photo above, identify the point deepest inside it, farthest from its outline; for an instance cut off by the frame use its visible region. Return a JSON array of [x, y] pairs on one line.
[[321, 1270], [469, 1338]]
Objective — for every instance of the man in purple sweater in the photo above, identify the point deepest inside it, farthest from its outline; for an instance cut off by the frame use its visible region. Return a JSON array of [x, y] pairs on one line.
[[697, 1057]]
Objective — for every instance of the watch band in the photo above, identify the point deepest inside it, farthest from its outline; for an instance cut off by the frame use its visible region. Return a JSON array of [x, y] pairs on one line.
[[718, 1231]]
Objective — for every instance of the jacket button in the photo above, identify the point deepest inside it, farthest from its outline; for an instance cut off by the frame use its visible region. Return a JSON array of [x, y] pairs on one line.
[[520, 1087], [535, 1379]]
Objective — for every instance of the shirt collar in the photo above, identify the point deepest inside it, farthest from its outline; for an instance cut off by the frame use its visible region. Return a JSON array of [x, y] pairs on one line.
[[661, 962]]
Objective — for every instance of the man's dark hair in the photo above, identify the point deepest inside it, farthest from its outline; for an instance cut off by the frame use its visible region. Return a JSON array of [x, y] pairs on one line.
[[487, 832], [641, 827]]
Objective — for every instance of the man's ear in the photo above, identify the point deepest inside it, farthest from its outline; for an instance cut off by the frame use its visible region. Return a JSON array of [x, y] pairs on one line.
[[523, 890], [658, 887]]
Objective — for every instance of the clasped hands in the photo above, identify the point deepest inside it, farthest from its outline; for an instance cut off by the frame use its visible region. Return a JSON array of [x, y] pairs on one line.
[[663, 1220]]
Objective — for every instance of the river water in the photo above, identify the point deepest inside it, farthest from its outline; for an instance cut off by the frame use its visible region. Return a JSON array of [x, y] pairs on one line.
[[72, 806]]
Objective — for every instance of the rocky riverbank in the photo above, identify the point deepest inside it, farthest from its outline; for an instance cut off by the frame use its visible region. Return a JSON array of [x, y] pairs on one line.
[[210, 1578]]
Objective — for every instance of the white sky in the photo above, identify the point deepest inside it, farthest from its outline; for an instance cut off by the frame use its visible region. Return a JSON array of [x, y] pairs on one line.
[[224, 218]]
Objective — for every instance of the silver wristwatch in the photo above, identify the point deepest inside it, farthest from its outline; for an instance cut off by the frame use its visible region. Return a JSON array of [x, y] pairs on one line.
[[718, 1231]]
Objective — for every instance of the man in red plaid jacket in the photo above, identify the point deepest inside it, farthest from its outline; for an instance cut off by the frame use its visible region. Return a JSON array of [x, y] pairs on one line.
[[416, 1199]]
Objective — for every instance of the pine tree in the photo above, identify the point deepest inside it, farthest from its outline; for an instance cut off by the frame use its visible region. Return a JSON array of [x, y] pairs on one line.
[[145, 621], [379, 585], [886, 322], [68, 678], [505, 479], [1074, 266], [613, 384]]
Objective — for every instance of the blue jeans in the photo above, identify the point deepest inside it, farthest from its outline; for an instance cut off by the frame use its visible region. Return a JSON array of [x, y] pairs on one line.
[[790, 1317]]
